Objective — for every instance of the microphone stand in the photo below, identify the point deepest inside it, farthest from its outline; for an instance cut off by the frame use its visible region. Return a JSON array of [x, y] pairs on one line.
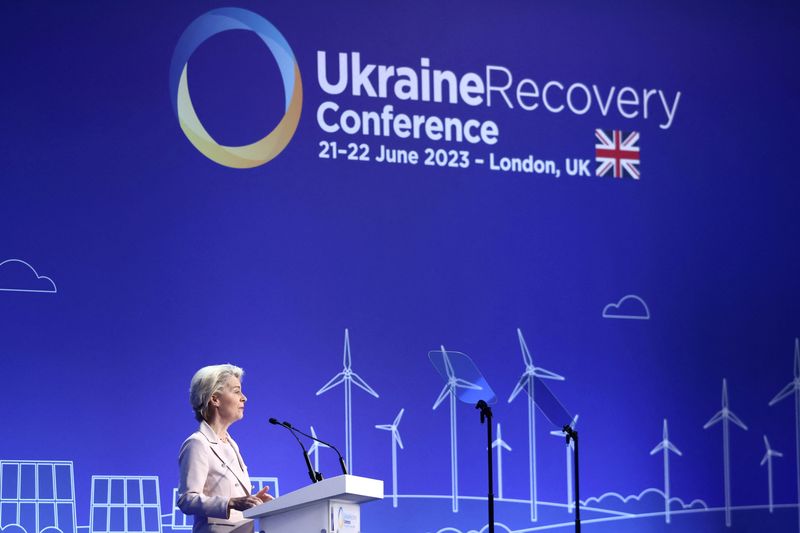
[[328, 444], [486, 413], [315, 476], [572, 434]]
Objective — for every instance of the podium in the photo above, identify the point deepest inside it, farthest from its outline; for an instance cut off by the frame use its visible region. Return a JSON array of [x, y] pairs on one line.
[[330, 506]]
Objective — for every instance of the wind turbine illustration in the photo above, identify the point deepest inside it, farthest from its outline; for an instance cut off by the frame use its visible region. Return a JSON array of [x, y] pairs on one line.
[[450, 387], [348, 378], [666, 446], [770, 453], [314, 449], [570, 447], [526, 382], [501, 445], [396, 441], [725, 415], [793, 387]]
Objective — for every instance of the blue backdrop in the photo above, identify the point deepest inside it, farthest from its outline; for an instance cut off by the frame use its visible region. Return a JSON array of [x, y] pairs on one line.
[[130, 259]]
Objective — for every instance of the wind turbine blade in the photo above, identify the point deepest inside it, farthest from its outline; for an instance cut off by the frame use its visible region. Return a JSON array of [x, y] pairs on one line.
[[335, 380], [786, 391], [724, 392], [396, 435], [398, 417], [671, 447], [317, 444], [448, 366], [766, 443], [764, 459], [735, 419], [356, 379], [464, 384], [657, 449], [776, 454], [526, 354], [797, 358], [346, 358], [523, 381], [546, 374], [387, 427], [442, 395], [500, 443], [714, 419]]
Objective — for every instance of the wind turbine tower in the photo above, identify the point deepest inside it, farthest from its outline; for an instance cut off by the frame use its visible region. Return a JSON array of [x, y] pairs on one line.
[[666, 446], [501, 445], [725, 415], [450, 389], [348, 378], [570, 450], [770, 453], [793, 387], [396, 441], [526, 381]]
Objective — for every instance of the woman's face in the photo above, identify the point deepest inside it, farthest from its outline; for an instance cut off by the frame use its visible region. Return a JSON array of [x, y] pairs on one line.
[[230, 401]]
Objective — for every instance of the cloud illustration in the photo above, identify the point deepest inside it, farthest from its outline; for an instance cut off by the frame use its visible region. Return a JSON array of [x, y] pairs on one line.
[[13, 528], [18, 276], [497, 526], [629, 306]]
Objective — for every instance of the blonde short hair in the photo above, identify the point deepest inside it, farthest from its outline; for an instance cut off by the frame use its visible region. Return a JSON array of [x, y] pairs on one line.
[[208, 381]]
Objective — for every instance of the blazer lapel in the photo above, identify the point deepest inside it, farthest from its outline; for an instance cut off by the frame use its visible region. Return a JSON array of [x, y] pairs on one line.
[[214, 444]]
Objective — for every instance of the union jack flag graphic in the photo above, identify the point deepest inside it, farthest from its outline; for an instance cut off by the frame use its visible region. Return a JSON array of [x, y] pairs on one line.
[[618, 152]]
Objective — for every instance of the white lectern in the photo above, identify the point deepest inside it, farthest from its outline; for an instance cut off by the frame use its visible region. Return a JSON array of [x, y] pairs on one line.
[[330, 506]]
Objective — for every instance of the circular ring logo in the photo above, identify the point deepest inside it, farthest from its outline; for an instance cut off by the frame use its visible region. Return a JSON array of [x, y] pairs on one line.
[[204, 27]]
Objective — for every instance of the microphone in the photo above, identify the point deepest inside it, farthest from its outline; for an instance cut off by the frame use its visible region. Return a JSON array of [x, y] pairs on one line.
[[341, 459], [315, 476]]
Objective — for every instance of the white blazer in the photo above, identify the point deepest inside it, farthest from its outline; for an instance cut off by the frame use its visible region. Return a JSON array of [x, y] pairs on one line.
[[207, 482]]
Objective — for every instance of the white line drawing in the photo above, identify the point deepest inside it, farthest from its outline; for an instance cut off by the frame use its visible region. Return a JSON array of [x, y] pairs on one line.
[[526, 382], [396, 441], [501, 445], [638, 497], [604, 519], [125, 503], [636, 308], [527, 502], [485, 528], [38, 283], [725, 415], [666, 446], [13, 528], [453, 383], [768, 455], [48, 486], [793, 387], [570, 450], [314, 449], [348, 378]]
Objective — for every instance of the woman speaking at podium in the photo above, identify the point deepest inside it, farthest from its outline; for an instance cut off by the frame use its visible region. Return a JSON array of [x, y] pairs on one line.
[[214, 485]]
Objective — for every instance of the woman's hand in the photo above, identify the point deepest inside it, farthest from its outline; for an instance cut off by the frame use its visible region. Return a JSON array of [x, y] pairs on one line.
[[263, 496], [246, 502]]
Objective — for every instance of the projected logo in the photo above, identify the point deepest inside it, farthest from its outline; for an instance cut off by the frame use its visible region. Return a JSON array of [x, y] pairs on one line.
[[205, 27]]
